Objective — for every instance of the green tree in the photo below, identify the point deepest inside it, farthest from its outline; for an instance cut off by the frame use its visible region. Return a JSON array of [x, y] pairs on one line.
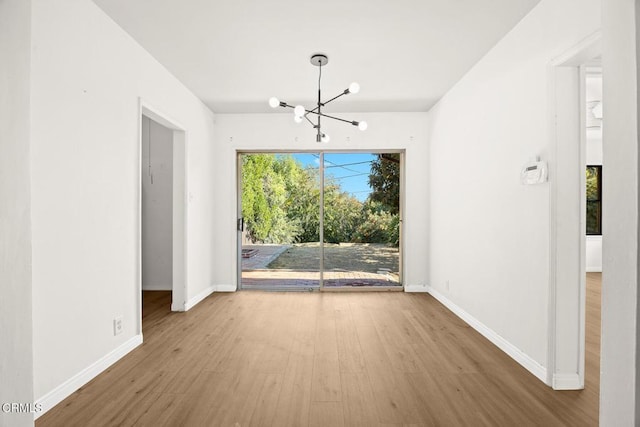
[[377, 225], [384, 180], [303, 202], [264, 195], [342, 213], [594, 204]]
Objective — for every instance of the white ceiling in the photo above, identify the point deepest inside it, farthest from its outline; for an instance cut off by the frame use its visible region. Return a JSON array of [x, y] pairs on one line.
[[234, 55]]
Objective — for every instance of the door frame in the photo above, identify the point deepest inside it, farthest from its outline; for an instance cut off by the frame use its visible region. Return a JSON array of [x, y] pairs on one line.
[[179, 222], [321, 153], [567, 204]]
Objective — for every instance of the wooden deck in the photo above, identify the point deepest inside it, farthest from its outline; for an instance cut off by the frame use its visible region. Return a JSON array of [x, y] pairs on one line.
[[309, 280]]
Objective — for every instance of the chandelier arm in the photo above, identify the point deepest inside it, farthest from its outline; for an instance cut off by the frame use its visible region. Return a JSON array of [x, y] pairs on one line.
[[334, 98], [309, 120], [354, 123]]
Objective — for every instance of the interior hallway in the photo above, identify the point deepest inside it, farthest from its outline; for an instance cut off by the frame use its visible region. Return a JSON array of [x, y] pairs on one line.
[[257, 358]]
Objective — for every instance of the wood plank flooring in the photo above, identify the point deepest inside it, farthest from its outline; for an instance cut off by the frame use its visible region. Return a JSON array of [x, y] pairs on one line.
[[324, 359]]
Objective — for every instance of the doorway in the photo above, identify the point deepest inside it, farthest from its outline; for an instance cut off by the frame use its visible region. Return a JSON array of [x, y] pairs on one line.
[[162, 214], [592, 108], [320, 221]]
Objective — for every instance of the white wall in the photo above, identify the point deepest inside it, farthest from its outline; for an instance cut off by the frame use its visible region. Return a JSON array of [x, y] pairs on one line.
[[594, 254], [87, 78], [401, 131], [593, 91], [16, 363], [619, 360], [157, 206], [490, 235]]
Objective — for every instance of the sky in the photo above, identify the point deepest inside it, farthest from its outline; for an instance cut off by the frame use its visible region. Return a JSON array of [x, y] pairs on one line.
[[351, 170]]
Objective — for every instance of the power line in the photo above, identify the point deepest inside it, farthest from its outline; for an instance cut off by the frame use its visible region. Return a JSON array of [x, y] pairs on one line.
[[348, 176], [334, 165], [338, 166], [346, 164]]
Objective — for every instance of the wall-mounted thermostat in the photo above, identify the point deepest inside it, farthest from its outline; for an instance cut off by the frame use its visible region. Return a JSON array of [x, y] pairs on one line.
[[534, 172]]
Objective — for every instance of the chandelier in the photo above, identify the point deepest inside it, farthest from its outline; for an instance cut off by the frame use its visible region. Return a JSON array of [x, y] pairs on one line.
[[300, 113]]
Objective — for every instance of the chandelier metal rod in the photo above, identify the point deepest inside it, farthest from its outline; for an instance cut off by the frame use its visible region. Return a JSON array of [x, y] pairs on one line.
[[309, 120], [336, 97], [320, 114], [334, 118], [322, 104]]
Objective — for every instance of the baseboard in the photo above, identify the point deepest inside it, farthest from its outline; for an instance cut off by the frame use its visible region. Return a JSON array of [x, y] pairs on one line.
[[225, 288], [567, 382], [416, 288], [597, 269], [177, 307], [515, 353], [70, 386], [196, 299]]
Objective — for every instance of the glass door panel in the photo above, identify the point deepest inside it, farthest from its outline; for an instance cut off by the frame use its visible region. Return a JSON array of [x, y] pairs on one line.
[[361, 221], [280, 221]]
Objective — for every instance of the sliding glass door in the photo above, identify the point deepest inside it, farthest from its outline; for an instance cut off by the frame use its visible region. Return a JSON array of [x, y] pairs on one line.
[[326, 221]]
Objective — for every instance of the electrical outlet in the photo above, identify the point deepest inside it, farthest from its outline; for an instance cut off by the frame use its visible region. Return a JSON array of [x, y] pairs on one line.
[[117, 325]]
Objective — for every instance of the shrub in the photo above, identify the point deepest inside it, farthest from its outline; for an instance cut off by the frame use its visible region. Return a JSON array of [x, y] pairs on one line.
[[378, 227]]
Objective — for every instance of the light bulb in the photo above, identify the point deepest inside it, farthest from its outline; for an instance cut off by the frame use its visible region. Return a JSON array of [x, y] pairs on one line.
[[363, 125], [325, 138], [297, 119], [299, 110], [354, 87], [274, 102]]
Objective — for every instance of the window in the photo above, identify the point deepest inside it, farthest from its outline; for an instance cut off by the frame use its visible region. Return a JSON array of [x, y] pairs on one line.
[[594, 200]]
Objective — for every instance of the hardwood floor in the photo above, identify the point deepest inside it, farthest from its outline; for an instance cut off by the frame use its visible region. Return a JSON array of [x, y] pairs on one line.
[[324, 359]]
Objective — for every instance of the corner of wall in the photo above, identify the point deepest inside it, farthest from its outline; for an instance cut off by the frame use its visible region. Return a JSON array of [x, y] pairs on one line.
[[567, 382], [192, 302], [424, 288], [225, 288]]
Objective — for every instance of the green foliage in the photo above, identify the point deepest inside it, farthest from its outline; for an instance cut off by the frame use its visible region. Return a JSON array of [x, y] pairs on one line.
[[280, 204], [302, 204], [264, 194], [594, 204], [384, 180], [393, 231], [342, 214], [377, 225], [592, 184]]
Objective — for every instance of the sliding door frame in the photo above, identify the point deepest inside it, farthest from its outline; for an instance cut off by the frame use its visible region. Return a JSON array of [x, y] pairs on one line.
[[321, 153], [321, 231]]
